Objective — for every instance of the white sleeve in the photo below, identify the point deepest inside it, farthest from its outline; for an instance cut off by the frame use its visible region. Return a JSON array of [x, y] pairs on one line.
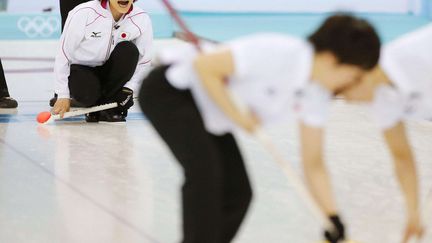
[[315, 105], [387, 107], [144, 44], [69, 41], [245, 57]]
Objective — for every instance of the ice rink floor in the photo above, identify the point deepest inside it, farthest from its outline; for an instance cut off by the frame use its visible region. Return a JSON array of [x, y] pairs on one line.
[[74, 182]]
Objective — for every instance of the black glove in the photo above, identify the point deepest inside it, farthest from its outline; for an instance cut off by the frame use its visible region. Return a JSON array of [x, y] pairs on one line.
[[338, 233], [124, 99]]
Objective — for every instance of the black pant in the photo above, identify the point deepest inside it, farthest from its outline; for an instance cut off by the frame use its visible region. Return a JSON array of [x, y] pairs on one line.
[[216, 192], [3, 86], [66, 6], [96, 85]]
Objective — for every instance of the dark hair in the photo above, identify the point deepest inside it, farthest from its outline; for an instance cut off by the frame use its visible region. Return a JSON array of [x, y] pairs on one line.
[[352, 40]]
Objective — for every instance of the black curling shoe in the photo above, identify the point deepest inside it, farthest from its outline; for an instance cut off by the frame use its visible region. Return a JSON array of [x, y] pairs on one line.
[[111, 116], [8, 103]]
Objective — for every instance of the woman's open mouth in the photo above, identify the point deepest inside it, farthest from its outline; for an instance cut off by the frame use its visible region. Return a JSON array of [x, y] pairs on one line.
[[123, 4]]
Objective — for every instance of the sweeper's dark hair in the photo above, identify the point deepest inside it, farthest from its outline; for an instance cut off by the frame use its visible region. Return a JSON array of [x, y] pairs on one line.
[[352, 40]]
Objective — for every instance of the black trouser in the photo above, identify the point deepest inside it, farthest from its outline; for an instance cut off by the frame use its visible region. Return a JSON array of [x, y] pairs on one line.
[[96, 85], [66, 6], [216, 192], [3, 86]]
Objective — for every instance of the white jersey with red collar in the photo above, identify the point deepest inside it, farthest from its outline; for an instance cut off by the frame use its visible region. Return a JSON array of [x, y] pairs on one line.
[[407, 62], [90, 35]]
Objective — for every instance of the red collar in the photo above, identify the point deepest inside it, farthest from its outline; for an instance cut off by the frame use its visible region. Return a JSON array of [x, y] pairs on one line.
[[104, 4], [130, 9]]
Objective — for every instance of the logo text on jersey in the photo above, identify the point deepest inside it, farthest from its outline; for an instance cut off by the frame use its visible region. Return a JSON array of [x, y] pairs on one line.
[[96, 35]]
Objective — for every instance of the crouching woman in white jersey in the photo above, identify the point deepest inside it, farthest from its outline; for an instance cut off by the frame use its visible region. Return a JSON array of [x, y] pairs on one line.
[[401, 88], [274, 75], [104, 52]]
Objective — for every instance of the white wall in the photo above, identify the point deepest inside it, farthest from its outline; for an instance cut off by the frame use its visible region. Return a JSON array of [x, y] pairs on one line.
[[17, 6], [296, 5], [385, 6]]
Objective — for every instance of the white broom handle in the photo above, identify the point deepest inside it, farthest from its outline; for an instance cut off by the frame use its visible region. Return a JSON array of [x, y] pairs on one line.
[[294, 180], [83, 111]]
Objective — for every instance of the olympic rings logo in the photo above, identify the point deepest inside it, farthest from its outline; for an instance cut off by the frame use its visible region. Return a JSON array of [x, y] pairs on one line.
[[38, 26]]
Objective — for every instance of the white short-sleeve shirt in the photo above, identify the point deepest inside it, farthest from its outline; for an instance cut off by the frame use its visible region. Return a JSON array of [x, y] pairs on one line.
[[271, 78], [408, 63]]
